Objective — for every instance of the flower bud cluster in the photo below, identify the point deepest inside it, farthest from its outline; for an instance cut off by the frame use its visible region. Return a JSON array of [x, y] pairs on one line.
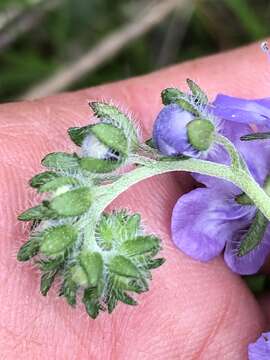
[[102, 261]]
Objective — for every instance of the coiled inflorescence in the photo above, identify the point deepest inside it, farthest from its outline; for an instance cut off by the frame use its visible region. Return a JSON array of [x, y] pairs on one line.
[[100, 257]]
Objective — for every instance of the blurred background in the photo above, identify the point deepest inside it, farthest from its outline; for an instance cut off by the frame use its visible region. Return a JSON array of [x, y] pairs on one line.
[[47, 46]]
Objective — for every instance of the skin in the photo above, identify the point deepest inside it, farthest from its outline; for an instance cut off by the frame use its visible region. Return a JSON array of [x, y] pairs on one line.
[[193, 310]]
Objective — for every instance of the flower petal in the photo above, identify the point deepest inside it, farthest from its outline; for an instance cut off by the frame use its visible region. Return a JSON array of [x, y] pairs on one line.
[[170, 131], [251, 262], [260, 350], [242, 110], [203, 220]]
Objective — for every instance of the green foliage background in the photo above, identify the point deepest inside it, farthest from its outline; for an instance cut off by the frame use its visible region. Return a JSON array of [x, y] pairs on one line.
[[75, 26]]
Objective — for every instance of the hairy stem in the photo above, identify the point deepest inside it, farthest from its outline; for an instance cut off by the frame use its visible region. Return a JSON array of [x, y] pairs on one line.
[[148, 168]]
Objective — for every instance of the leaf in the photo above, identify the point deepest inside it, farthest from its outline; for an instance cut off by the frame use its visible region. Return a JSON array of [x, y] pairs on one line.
[[197, 92], [28, 250], [61, 161]]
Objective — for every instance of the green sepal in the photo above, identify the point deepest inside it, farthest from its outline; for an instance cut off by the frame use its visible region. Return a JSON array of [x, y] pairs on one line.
[[256, 136], [69, 289], [126, 299], [61, 161], [51, 264], [186, 105], [28, 250], [243, 199], [141, 245], [58, 182], [98, 166], [128, 284], [40, 179], [91, 301], [111, 303], [154, 263], [46, 281], [150, 142], [40, 212], [254, 235], [197, 92], [112, 114], [92, 264], [122, 266], [111, 136], [72, 203], [171, 95], [200, 133], [77, 134], [55, 240]]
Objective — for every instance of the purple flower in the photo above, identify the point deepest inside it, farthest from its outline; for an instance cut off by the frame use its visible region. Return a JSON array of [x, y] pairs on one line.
[[242, 110], [175, 132], [260, 350], [207, 220]]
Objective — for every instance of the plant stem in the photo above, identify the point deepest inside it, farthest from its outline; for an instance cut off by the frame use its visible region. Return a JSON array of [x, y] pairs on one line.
[[149, 168]]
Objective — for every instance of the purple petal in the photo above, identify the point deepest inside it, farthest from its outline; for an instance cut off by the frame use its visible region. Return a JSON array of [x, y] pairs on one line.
[[242, 110], [251, 262], [260, 350], [170, 132], [203, 220]]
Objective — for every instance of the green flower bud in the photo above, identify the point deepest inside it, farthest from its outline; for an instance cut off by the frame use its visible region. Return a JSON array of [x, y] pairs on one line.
[[111, 136], [92, 264], [56, 240], [72, 203], [98, 166], [120, 265], [200, 133], [115, 117], [141, 245]]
